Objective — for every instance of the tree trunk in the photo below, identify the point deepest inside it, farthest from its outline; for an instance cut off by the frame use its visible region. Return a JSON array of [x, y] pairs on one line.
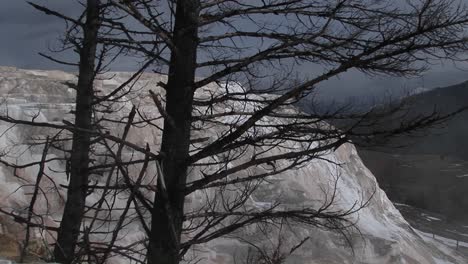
[[168, 211], [69, 231]]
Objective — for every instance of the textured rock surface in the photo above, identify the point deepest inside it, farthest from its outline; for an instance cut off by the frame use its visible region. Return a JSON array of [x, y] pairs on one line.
[[385, 236]]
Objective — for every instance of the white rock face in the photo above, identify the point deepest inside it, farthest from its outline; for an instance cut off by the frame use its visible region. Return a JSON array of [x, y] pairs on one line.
[[385, 237]]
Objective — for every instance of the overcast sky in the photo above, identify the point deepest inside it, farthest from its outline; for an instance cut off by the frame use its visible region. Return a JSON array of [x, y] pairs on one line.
[[26, 32]]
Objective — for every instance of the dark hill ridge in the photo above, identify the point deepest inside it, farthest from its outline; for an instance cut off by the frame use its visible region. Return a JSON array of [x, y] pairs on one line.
[[430, 171], [451, 138]]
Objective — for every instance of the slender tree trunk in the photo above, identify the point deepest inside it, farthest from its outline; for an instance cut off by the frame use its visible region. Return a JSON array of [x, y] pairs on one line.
[[168, 212], [74, 208]]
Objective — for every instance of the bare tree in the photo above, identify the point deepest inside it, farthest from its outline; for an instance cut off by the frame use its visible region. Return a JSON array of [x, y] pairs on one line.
[[83, 35], [264, 43], [79, 157], [218, 128], [86, 46]]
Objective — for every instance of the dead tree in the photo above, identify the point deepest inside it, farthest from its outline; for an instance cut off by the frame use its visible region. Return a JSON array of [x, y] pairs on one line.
[[85, 36], [79, 160], [239, 46], [69, 230], [252, 43]]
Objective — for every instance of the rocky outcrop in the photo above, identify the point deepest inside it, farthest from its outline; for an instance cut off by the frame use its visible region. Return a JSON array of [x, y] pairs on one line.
[[383, 237]]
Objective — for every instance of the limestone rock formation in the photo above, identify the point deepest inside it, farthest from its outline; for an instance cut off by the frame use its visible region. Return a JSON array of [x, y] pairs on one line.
[[385, 237]]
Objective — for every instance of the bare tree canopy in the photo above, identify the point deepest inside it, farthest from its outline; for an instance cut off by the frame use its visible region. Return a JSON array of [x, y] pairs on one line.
[[235, 70]]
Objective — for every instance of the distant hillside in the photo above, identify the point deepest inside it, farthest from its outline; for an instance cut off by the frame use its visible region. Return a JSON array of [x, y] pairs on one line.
[[449, 139], [431, 171], [431, 182]]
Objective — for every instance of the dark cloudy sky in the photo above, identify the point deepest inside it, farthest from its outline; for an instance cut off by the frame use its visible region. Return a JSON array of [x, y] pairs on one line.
[[25, 32]]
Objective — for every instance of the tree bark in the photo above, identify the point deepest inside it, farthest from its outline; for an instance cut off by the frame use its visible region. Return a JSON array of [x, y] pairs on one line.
[[69, 231], [168, 211]]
